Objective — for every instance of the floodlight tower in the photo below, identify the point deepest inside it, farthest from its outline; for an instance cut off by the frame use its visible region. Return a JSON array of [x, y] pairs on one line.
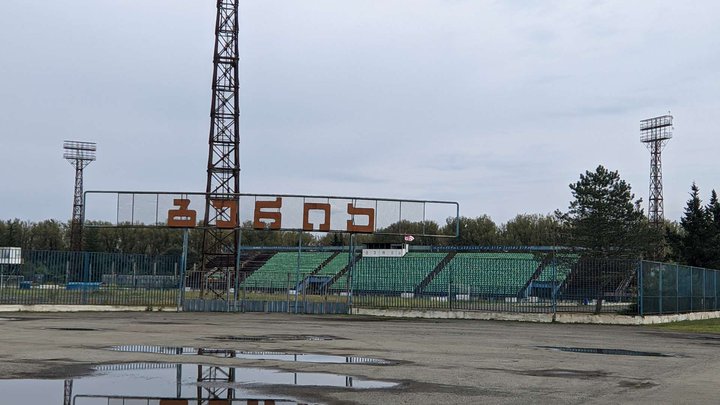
[[655, 133], [79, 154], [223, 168]]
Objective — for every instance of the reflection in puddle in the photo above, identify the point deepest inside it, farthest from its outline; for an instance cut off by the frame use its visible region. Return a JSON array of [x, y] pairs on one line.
[[230, 353], [176, 384], [615, 352]]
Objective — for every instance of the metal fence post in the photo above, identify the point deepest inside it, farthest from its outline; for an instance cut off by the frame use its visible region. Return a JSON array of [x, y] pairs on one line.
[[305, 298], [677, 288], [450, 292], [691, 288], [287, 291], [553, 297], [660, 288], [86, 277], [703, 289], [238, 264], [350, 275], [641, 288], [297, 272], [183, 266], [227, 289]]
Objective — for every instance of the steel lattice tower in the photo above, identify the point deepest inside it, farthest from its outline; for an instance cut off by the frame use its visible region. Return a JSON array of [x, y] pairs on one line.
[[223, 168], [655, 133], [79, 154]]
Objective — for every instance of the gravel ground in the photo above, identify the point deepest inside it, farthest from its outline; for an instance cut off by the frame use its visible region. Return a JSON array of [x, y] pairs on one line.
[[435, 361]]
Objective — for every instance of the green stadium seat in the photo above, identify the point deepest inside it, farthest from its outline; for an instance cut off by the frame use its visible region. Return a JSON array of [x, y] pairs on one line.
[[391, 274], [274, 273], [497, 274]]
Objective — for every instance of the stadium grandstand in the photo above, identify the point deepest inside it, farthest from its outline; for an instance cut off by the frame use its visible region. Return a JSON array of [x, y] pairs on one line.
[[427, 272]]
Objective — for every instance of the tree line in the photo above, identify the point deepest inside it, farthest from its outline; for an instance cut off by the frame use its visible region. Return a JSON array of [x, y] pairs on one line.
[[523, 230], [603, 219]]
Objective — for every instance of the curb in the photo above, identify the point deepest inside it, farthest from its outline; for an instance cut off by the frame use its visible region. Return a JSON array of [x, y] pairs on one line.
[[84, 308], [599, 319]]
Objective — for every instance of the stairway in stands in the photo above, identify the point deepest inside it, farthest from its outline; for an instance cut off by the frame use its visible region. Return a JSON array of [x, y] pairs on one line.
[[356, 258], [438, 268]]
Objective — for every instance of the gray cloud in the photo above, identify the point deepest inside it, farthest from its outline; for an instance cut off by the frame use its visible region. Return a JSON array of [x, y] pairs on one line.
[[499, 105]]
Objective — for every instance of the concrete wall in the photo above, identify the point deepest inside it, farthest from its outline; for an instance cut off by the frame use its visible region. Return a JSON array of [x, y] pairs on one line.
[[81, 308], [610, 319]]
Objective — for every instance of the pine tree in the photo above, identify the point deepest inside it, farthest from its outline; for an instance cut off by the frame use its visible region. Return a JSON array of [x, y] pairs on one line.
[[713, 210], [607, 223], [604, 218], [696, 221]]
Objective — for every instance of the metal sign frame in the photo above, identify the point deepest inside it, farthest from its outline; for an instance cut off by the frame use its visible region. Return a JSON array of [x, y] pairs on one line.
[[266, 213]]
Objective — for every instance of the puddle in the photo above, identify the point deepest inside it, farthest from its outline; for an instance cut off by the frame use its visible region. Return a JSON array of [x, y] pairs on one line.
[[76, 329], [274, 338], [612, 352], [230, 353], [151, 383]]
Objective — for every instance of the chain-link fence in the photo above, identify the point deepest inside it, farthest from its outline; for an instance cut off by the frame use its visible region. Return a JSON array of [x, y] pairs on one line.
[[277, 281], [332, 280], [54, 277], [540, 282], [671, 288]]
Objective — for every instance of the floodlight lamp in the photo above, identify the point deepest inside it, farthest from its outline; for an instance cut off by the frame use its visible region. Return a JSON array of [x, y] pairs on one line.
[[77, 150]]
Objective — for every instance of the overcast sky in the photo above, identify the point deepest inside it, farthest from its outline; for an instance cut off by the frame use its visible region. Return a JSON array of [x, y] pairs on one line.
[[498, 105]]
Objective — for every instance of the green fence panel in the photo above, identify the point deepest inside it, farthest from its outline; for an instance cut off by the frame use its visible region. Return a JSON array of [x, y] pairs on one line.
[[673, 288]]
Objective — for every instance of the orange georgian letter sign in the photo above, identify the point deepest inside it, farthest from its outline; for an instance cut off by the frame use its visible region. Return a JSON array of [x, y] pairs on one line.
[[222, 206], [181, 217], [325, 208], [368, 212], [274, 217]]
